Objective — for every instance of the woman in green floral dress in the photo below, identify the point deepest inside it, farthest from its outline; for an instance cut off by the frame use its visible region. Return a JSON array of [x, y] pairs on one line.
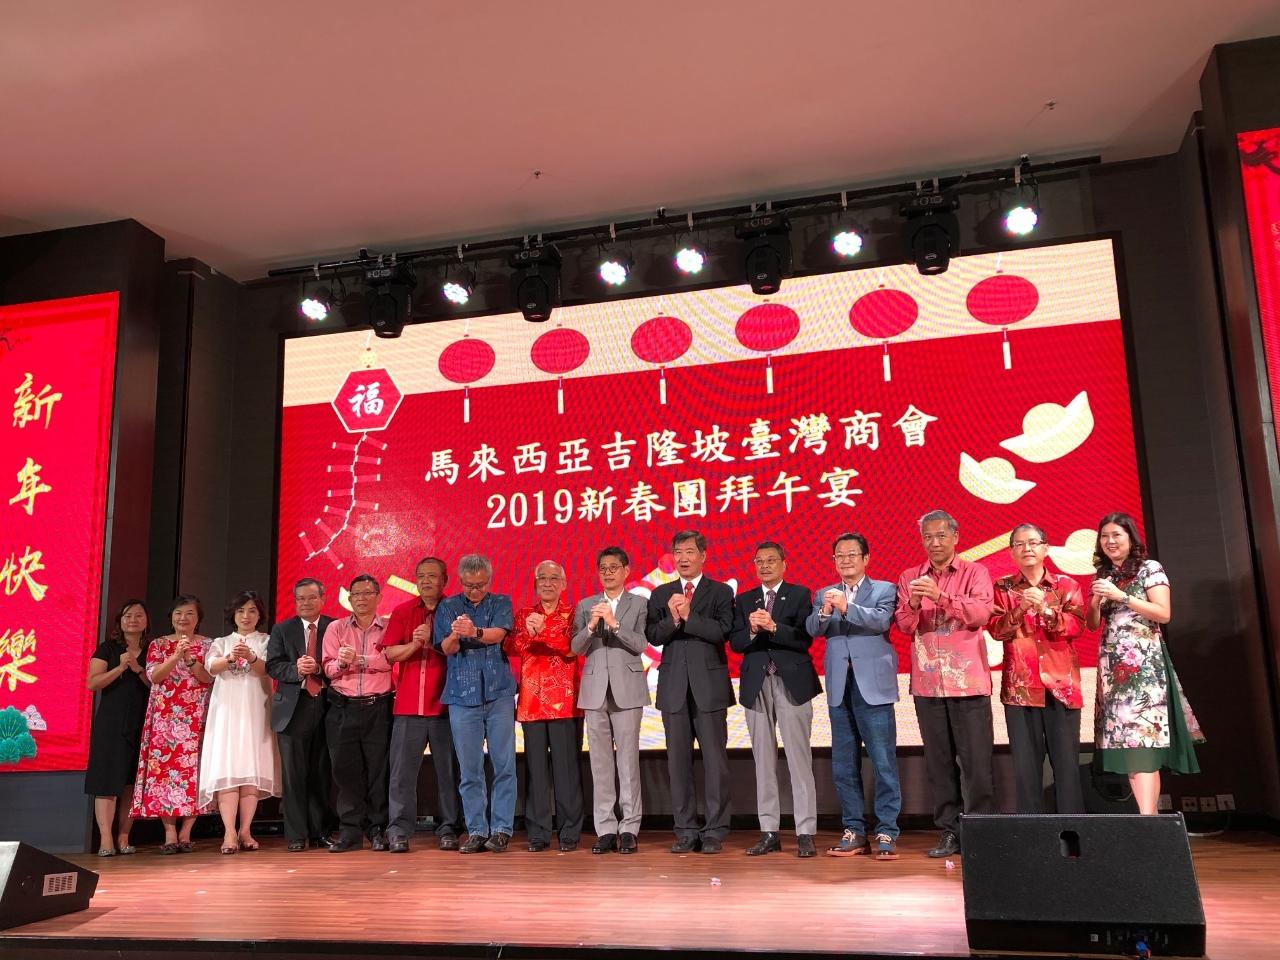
[[1143, 722]]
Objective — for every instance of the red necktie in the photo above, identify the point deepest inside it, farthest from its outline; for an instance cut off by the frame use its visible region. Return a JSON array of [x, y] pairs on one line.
[[768, 608], [688, 592], [310, 683]]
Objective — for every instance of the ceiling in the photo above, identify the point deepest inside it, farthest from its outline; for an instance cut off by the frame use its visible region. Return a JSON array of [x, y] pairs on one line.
[[253, 135]]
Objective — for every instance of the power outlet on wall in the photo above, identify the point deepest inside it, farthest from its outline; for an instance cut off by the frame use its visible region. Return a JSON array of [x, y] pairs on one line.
[[1165, 802], [1190, 804], [1208, 804], [1226, 801]]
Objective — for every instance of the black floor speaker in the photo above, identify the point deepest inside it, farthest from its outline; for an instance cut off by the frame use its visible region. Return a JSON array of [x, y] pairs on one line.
[[35, 885], [1081, 884]]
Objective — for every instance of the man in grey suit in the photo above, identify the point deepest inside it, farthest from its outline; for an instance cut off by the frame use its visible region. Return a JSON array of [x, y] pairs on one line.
[[609, 635], [778, 684], [690, 619], [862, 687]]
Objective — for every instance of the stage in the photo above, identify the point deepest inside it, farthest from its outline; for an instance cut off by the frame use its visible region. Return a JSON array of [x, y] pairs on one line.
[[518, 904]]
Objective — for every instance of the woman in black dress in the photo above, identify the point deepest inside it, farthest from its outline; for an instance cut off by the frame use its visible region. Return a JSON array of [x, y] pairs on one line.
[[117, 671]]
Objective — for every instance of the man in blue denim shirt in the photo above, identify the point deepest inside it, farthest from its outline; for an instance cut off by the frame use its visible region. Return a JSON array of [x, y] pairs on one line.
[[480, 691]]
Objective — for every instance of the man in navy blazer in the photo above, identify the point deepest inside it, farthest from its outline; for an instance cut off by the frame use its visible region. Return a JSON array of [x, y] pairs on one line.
[[777, 689], [862, 687], [690, 619]]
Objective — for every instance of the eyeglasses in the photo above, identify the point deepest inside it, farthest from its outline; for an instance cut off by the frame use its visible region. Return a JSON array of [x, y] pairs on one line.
[[610, 567], [547, 579], [848, 556], [363, 594], [766, 561], [937, 537], [474, 586], [1023, 544]]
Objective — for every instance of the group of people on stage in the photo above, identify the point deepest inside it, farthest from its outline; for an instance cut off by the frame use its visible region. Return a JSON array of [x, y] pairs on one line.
[[358, 699]]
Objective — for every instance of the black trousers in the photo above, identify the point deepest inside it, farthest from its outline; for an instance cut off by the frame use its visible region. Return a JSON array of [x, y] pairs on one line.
[[409, 738], [552, 763], [306, 771], [1034, 732], [359, 737], [957, 729], [712, 733]]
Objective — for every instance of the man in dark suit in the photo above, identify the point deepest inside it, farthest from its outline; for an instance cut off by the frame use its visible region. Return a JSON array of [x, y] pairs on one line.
[[777, 687], [297, 717], [690, 619]]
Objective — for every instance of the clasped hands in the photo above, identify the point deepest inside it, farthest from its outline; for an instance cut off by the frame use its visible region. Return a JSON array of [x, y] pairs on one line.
[[603, 611], [679, 607], [921, 588]]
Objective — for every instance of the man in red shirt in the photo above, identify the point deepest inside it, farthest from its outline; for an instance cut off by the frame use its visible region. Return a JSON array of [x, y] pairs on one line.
[[419, 717], [545, 707]]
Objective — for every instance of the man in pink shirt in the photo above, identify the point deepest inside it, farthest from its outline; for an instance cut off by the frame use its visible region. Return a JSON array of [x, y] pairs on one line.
[[943, 605], [358, 724]]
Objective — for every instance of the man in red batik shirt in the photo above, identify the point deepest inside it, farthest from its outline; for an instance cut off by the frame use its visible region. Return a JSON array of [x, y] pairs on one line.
[[546, 710], [418, 716]]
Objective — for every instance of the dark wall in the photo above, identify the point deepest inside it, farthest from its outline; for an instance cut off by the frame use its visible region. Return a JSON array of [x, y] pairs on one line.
[[50, 809]]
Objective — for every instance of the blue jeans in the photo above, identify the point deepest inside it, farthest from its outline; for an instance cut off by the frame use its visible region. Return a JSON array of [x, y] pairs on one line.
[[855, 724], [495, 722]]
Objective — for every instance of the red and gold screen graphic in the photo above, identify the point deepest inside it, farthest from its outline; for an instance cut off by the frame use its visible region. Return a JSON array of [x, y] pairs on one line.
[[1260, 176], [57, 373], [849, 401]]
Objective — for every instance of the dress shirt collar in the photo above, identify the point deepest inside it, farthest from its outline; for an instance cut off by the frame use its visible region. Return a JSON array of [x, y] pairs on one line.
[[853, 590], [926, 569], [1020, 579], [695, 581], [765, 588]]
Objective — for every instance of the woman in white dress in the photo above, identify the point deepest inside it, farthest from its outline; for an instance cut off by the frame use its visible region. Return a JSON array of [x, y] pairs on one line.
[[239, 763]]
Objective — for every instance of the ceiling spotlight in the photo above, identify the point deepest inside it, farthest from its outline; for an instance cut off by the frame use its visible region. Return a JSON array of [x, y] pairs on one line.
[[535, 282], [616, 267], [317, 306], [459, 282], [932, 233], [390, 287], [847, 243], [767, 254], [1021, 220], [690, 260]]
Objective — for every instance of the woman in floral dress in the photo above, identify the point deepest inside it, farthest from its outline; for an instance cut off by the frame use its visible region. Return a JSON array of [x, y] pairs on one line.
[[1144, 723], [169, 764]]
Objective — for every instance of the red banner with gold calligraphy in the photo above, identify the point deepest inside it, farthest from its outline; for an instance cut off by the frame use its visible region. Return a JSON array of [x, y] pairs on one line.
[[1260, 176], [57, 375]]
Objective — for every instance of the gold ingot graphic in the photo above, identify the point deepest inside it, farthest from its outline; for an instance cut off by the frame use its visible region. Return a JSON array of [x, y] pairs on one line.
[[992, 479], [1076, 555], [1051, 431]]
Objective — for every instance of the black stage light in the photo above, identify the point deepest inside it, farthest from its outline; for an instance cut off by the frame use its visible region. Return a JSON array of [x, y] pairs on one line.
[[767, 253], [535, 284], [932, 233], [389, 300], [317, 305]]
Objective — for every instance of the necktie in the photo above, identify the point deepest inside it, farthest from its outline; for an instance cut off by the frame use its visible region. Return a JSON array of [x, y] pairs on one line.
[[769, 596], [688, 592], [310, 683]]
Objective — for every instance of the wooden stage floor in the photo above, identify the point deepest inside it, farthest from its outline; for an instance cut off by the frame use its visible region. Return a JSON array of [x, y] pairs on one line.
[[428, 903]]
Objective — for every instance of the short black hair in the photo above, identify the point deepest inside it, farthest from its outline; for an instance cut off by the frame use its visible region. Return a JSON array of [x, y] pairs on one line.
[[684, 535], [181, 600], [365, 578], [772, 545], [308, 582], [444, 570], [239, 600], [1026, 526], [859, 538], [616, 552]]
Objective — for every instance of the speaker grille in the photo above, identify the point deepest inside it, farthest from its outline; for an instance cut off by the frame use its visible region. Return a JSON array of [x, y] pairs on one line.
[[59, 883]]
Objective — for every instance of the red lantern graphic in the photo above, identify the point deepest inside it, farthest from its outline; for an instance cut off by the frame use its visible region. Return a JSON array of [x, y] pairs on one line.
[[661, 340], [767, 328], [559, 351], [883, 314], [465, 361], [1003, 300]]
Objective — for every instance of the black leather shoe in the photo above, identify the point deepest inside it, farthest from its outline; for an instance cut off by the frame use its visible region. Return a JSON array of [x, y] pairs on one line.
[[768, 843], [627, 843], [686, 845], [498, 842], [345, 845], [297, 846], [324, 842], [399, 846], [448, 841], [605, 843], [379, 842], [948, 846], [568, 846], [537, 846], [710, 845], [805, 847], [474, 844]]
